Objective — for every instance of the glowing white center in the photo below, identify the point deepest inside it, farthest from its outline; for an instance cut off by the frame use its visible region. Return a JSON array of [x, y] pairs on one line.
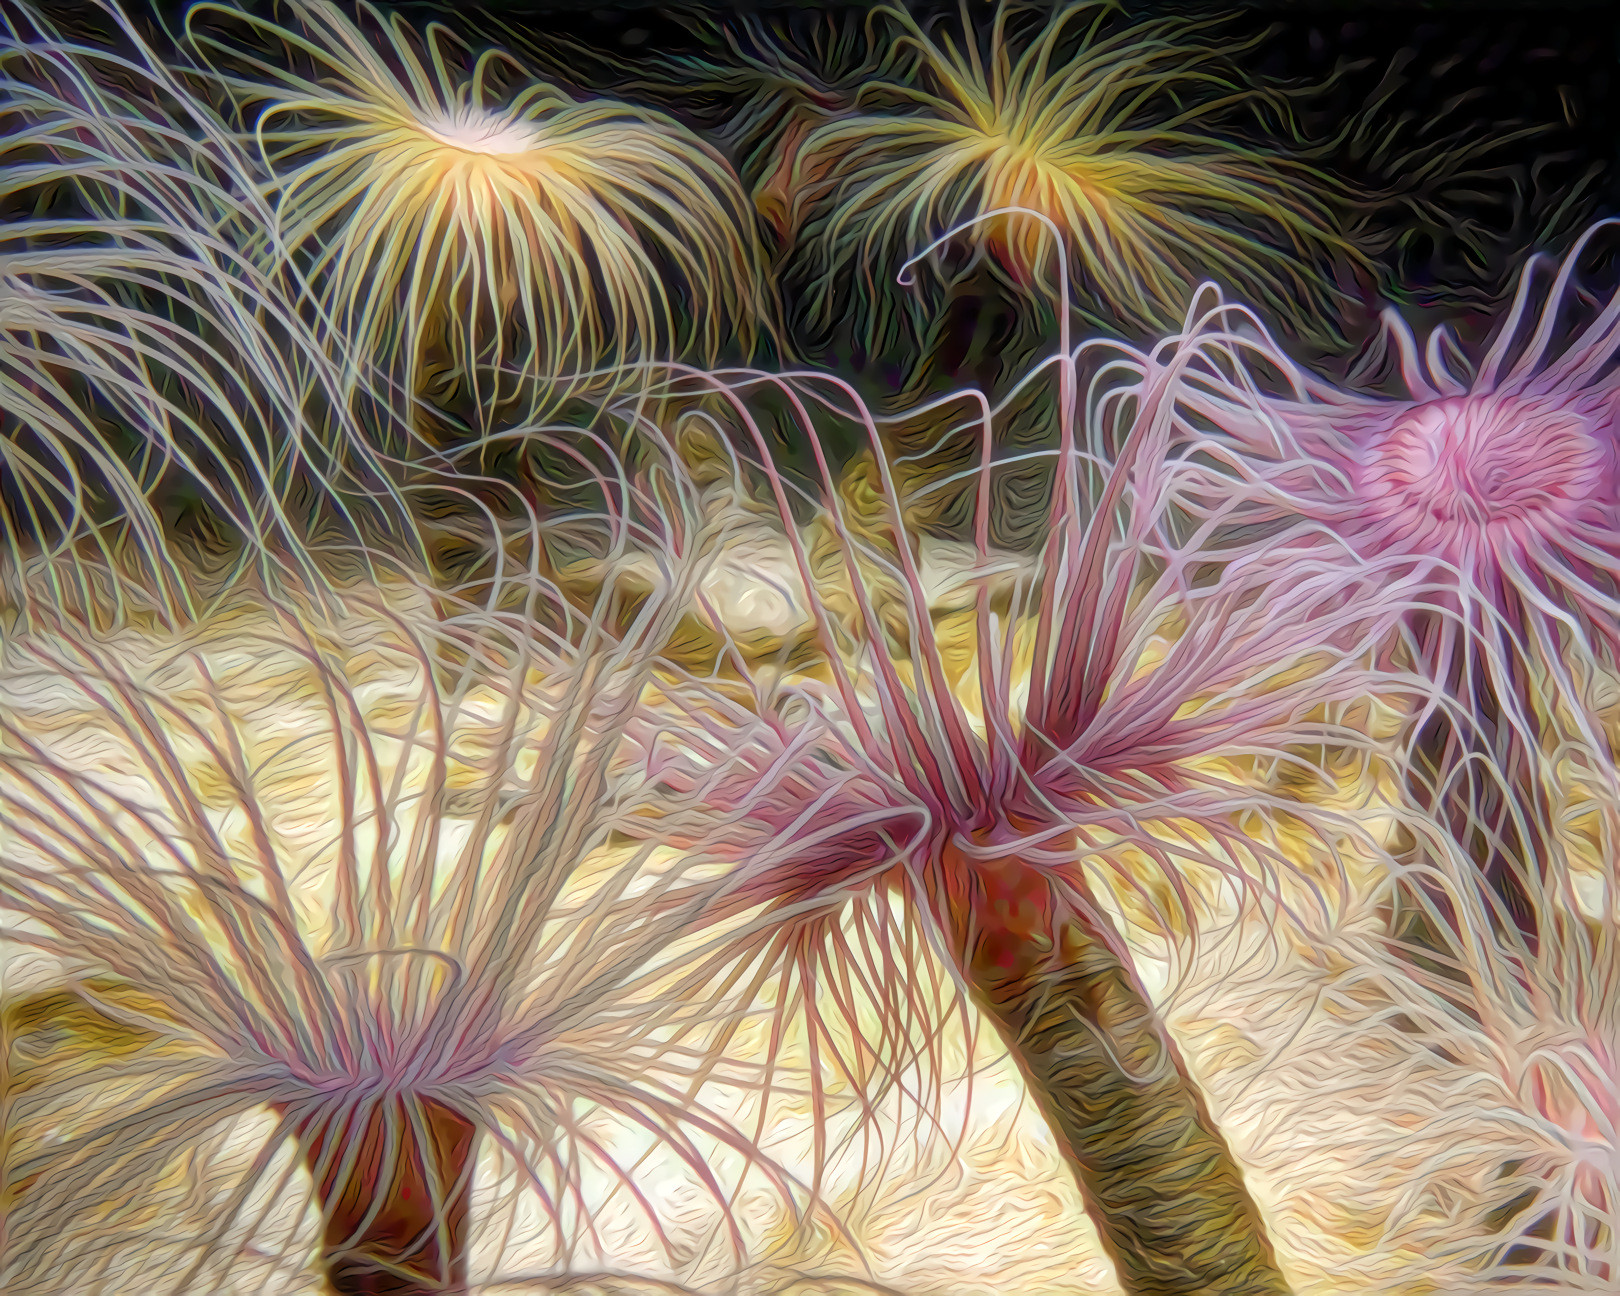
[[476, 132]]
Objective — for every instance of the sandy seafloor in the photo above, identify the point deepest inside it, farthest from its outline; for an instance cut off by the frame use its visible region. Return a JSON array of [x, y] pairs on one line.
[[1367, 1160]]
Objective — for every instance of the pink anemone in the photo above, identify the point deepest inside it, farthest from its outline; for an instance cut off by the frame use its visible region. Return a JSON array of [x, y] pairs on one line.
[[1102, 727], [426, 976], [1495, 484]]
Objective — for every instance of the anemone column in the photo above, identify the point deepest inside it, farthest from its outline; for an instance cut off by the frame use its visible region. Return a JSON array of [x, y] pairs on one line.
[[1156, 1174], [395, 1187]]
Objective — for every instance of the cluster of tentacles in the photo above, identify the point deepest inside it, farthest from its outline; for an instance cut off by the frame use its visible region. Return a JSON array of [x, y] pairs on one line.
[[466, 752]]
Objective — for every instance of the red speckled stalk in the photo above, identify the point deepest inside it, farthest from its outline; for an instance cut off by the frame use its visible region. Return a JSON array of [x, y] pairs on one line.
[[397, 1252]]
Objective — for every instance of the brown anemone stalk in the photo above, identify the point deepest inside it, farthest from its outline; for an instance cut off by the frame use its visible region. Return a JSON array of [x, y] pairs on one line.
[[994, 803], [374, 929], [387, 1208], [1153, 1165]]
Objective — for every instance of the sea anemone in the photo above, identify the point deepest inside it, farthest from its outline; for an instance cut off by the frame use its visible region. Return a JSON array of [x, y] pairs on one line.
[[422, 974], [1537, 1014], [1493, 486], [1490, 1058], [1110, 135], [461, 222], [1154, 673]]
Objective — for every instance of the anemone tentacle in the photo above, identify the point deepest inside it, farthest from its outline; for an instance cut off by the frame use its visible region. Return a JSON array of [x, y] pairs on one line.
[[146, 356], [454, 214], [454, 975], [1128, 678]]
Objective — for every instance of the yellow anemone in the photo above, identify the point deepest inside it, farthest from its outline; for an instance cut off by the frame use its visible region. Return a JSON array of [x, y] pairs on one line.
[[1105, 135], [503, 234]]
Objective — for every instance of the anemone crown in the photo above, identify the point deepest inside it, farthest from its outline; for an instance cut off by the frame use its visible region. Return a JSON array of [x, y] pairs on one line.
[[1483, 467]]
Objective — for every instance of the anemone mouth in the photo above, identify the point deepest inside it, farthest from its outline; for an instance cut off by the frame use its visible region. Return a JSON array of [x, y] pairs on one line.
[[488, 134], [1458, 471]]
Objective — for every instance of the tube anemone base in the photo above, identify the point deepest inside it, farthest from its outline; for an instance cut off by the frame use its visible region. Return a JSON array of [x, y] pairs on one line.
[[1157, 1177], [390, 1232]]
